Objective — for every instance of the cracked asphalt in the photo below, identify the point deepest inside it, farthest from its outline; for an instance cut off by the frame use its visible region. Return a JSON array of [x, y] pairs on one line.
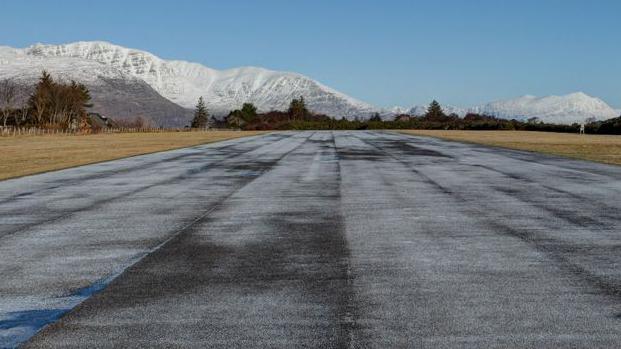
[[354, 239]]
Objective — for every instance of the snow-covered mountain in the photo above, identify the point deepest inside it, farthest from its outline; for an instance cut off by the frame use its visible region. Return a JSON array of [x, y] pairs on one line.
[[127, 82], [574, 107], [397, 110], [184, 82]]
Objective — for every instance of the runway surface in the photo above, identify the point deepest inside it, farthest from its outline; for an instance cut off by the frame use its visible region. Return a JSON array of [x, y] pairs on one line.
[[315, 239]]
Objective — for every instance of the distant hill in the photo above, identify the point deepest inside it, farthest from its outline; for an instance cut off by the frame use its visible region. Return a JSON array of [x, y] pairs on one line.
[[572, 108]]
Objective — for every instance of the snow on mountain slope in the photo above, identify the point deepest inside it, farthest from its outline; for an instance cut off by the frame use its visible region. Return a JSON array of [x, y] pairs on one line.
[[184, 82], [574, 107], [17, 65], [114, 93]]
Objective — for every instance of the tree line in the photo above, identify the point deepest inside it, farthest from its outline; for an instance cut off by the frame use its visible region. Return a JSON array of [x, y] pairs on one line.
[[298, 117], [248, 118]]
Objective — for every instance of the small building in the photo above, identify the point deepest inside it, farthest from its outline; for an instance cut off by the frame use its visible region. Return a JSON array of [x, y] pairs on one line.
[[99, 121]]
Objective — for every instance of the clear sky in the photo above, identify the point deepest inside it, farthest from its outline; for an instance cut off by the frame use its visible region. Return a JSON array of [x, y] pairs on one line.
[[383, 52]]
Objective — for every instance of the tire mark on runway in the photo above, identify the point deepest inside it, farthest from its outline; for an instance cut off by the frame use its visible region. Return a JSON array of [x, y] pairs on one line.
[[553, 248], [305, 250], [53, 323], [349, 312], [100, 203], [106, 173], [576, 217], [549, 160], [569, 164], [572, 217]]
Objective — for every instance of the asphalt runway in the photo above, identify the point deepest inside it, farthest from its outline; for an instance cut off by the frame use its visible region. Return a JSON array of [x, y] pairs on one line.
[[315, 239]]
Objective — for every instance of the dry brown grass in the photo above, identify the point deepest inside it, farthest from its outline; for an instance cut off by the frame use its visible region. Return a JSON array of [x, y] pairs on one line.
[[601, 148], [24, 155]]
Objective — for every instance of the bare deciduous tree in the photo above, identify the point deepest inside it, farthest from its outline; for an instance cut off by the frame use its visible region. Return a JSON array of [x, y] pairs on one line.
[[8, 95], [23, 111]]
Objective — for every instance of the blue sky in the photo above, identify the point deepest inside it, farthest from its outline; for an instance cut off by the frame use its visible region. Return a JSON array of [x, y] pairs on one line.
[[384, 52]]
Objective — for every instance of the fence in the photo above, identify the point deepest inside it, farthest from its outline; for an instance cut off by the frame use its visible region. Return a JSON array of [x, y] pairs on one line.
[[27, 131]]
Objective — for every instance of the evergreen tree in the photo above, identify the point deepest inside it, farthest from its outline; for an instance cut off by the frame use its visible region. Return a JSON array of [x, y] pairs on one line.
[[297, 109], [201, 115], [248, 112], [435, 111], [39, 101], [215, 123], [376, 117], [77, 99]]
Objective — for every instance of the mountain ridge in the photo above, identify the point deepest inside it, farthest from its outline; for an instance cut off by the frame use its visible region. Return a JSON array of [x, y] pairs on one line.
[[184, 82], [112, 70]]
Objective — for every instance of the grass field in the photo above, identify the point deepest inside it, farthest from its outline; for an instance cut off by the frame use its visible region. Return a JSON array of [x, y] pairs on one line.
[[24, 155], [601, 148]]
